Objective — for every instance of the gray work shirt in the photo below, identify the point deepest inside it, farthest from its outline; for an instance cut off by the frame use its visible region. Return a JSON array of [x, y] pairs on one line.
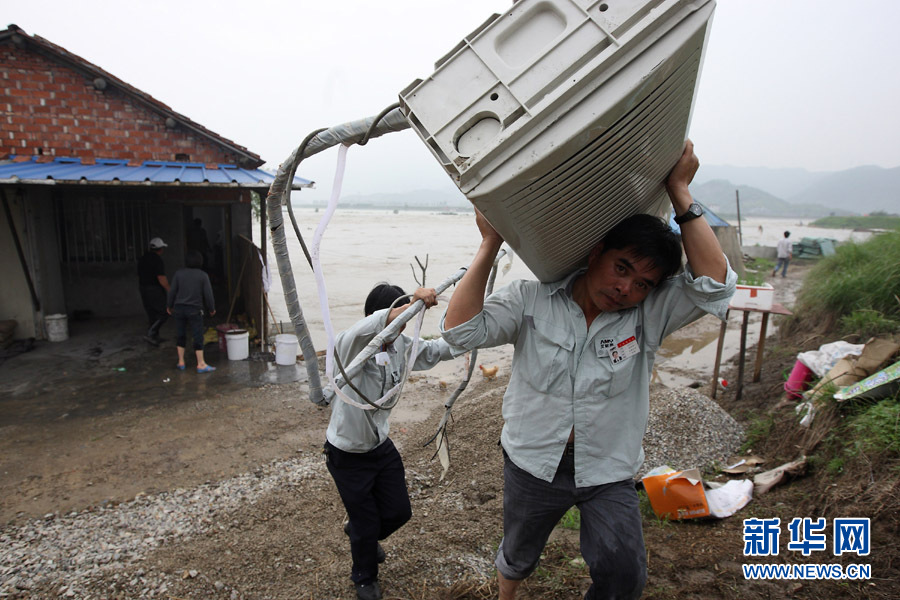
[[595, 380], [353, 429]]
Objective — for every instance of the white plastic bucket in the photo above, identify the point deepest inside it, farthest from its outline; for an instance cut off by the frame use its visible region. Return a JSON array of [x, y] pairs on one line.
[[57, 327], [238, 344], [286, 346]]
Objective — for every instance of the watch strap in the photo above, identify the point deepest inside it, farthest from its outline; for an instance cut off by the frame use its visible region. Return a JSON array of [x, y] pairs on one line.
[[693, 211]]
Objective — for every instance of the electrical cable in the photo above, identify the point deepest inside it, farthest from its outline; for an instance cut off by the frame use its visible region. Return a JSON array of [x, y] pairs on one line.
[[293, 170], [347, 380], [379, 117]]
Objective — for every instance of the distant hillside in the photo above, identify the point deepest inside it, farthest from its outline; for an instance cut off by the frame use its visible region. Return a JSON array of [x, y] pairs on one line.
[[781, 183], [860, 191], [719, 195]]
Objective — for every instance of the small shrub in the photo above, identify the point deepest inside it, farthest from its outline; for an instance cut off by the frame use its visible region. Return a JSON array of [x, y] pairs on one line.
[[876, 430], [763, 265], [835, 466], [571, 520], [758, 430], [751, 278], [647, 510]]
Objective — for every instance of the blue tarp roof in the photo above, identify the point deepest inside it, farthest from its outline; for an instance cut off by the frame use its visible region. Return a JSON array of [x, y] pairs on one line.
[[70, 170], [712, 218]]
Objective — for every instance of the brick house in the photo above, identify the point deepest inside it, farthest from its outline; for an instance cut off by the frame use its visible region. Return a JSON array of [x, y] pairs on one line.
[[91, 169]]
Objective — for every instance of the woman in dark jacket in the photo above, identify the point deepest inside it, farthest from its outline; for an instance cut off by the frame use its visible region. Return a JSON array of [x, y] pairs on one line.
[[189, 294]]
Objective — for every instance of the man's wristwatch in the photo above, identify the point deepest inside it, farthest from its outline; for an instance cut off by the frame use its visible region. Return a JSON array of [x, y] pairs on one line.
[[693, 211]]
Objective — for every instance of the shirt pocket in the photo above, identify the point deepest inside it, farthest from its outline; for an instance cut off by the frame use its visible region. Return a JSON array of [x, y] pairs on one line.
[[617, 377], [550, 359], [623, 376]]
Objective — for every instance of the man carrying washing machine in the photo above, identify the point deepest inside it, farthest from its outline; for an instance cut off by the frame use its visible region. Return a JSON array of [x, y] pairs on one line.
[[576, 407]]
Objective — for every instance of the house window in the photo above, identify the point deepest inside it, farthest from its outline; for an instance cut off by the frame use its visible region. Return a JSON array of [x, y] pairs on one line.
[[99, 230]]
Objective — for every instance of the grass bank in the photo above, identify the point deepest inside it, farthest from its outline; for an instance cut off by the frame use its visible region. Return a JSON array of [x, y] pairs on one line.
[[854, 293], [874, 221]]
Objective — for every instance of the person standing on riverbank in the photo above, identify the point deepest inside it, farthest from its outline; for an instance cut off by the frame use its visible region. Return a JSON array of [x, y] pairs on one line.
[[190, 293], [154, 286], [577, 404], [783, 254]]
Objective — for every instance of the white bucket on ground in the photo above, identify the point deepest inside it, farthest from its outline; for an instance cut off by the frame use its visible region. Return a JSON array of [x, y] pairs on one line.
[[286, 345], [238, 344], [57, 327]]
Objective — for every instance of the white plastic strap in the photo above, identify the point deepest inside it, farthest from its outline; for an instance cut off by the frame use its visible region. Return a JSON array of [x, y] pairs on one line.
[[317, 265], [323, 299]]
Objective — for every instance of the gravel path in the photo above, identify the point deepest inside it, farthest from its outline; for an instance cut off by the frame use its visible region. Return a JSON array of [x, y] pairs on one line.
[[66, 555], [62, 552]]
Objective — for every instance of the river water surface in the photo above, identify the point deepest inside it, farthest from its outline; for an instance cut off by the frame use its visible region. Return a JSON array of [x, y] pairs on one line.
[[361, 248]]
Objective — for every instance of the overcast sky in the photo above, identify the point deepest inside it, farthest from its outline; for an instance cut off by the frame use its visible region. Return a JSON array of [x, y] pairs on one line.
[[786, 83]]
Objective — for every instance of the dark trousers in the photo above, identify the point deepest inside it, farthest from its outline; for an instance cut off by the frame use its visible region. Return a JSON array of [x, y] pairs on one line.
[[612, 541], [188, 317], [154, 300], [372, 486]]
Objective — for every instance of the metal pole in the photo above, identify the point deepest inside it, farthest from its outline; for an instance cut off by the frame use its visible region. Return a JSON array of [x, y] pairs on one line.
[[737, 199]]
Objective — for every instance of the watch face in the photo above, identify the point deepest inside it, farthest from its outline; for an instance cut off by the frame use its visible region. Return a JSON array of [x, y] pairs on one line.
[[693, 211]]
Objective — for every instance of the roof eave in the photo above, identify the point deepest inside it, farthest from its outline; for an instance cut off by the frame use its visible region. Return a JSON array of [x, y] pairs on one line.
[[146, 183]]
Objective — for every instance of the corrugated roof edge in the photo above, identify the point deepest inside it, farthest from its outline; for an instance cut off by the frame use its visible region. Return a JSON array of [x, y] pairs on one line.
[[118, 172]]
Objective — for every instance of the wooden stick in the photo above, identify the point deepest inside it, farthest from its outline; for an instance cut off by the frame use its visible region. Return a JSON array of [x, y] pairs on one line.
[[278, 323], [715, 378], [760, 347], [740, 382], [237, 291]]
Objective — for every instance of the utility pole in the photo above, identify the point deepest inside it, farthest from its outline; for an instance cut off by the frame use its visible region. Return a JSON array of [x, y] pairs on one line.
[[737, 199]]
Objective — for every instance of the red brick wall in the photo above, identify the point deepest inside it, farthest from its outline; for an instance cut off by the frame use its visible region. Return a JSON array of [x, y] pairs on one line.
[[51, 110]]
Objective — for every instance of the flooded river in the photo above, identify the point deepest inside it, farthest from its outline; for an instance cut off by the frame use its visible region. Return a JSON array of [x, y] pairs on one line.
[[361, 248]]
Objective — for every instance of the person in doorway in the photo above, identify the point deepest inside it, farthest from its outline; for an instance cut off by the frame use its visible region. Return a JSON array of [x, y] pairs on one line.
[[365, 465], [198, 240], [153, 286], [190, 293], [576, 406], [783, 254]]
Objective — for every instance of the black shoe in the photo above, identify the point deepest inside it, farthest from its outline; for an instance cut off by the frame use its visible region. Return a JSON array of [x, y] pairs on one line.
[[151, 340], [368, 591], [380, 556]]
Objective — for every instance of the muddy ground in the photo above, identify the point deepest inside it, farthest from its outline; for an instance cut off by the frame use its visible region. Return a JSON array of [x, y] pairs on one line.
[[59, 457]]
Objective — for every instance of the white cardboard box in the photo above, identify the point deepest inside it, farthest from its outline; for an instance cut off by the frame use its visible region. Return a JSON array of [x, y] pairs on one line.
[[759, 297]]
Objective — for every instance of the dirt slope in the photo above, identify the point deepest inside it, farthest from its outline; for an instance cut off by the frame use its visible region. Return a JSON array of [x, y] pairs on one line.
[[288, 543]]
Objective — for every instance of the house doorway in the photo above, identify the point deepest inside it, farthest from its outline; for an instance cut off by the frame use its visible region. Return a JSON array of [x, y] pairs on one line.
[[207, 230]]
